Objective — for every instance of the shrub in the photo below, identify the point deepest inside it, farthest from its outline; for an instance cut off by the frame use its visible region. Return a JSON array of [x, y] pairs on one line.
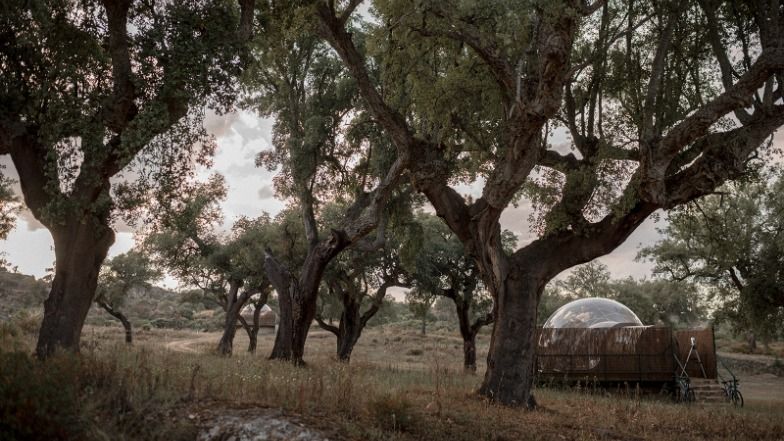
[[38, 403], [393, 412], [27, 321]]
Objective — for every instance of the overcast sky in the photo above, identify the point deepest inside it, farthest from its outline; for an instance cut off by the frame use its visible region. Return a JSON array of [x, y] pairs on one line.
[[240, 137]]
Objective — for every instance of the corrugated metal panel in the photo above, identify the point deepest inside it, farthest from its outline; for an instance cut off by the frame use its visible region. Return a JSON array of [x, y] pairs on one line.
[[621, 354]]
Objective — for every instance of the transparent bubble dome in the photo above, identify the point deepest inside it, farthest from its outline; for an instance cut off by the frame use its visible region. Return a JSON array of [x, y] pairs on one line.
[[593, 312]]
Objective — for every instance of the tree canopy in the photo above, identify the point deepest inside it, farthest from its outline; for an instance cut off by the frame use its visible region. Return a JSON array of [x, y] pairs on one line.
[[732, 243], [487, 90], [101, 101]]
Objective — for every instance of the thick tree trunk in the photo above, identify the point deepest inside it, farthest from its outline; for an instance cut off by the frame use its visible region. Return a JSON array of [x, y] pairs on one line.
[[352, 320], [349, 330], [297, 296], [510, 361], [80, 249], [121, 317], [233, 308], [297, 310], [346, 346], [283, 348]]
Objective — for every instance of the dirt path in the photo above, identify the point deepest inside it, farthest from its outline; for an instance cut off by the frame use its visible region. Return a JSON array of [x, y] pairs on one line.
[[187, 345]]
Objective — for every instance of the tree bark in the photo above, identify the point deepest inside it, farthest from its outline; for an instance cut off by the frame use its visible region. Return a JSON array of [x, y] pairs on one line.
[[253, 334], [253, 330], [121, 317], [233, 307], [510, 359], [349, 330], [469, 354], [80, 249], [297, 296], [352, 320], [468, 330]]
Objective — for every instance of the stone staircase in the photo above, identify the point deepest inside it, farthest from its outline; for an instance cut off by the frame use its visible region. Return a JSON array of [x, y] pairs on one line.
[[708, 390]]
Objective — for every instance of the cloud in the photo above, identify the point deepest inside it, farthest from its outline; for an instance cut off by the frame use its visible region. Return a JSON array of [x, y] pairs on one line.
[[29, 220], [266, 192], [220, 126]]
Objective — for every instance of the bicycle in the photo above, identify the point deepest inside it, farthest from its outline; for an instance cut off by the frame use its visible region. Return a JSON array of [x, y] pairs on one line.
[[684, 393], [732, 392]]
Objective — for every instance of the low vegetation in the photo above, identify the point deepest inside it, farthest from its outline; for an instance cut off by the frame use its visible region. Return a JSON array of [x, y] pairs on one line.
[[148, 392]]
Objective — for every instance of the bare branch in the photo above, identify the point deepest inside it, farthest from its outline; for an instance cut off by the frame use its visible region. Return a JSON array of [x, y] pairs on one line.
[[346, 14]]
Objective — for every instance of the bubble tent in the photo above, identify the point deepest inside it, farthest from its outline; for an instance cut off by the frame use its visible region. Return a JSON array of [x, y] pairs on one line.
[[599, 339], [573, 327], [593, 312]]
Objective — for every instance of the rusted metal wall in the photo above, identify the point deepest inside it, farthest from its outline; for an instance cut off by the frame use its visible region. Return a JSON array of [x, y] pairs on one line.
[[620, 354], [706, 347]]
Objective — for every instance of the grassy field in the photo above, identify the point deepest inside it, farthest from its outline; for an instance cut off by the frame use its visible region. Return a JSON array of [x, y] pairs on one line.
[[399, 386]]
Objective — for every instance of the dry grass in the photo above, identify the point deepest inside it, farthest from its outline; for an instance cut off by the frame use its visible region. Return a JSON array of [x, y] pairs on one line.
[[118, 388]]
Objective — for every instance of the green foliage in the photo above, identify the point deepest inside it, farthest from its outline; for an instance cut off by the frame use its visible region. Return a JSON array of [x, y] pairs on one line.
[[93, 108], [9, 205], [187, 242], [437, 262], [122, 273], [362, 276], [328, 152], [731, 243]]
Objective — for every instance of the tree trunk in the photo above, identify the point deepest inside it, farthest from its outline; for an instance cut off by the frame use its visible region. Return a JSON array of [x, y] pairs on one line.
[[350, 329], [424, 325], [233, 308], [297, 296], [121, 317], [253, 334], [510, 360], [751, 339], [284, 342], [469, 354], [80, 248], [253, 331], [297, 311], [467, 332]]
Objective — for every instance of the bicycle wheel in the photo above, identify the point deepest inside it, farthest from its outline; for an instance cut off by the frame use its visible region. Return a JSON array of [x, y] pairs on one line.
[[737, 398]]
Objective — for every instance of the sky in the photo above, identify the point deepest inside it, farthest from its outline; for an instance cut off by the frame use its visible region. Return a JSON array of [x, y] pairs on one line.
[[240, 137]]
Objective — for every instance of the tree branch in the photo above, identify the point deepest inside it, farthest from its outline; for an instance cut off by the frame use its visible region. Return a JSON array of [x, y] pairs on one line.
[[326, 326]]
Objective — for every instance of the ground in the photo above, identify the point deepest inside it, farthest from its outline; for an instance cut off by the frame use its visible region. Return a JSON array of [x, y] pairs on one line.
[[400, 385]]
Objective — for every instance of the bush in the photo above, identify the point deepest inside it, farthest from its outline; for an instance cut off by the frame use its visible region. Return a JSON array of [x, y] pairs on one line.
[[393, 413], [28, 322], [76, 397], [38, 403]]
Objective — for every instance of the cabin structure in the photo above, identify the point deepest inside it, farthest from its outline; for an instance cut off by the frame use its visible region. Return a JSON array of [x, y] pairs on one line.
[[602, 341], [267, 317]]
